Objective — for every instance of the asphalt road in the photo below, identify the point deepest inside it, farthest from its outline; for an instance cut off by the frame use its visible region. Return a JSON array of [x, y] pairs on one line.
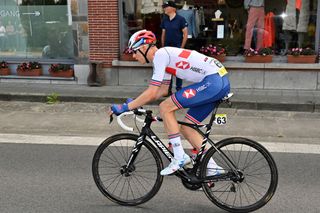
[[46, 153], [57, 178]]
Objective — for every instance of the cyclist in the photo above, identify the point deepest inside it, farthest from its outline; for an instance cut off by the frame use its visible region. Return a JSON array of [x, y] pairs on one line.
[[210, 84]]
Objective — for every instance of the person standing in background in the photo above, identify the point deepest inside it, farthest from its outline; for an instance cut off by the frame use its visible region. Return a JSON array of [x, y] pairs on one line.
[[174, 33], [255, 10]]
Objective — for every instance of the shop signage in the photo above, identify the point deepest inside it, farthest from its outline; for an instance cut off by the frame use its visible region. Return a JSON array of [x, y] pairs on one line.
[[16, 13], [35, 13], [11, 13]]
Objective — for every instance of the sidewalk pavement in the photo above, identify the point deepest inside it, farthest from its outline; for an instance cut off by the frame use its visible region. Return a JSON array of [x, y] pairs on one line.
[[256, 99], [80, 123]]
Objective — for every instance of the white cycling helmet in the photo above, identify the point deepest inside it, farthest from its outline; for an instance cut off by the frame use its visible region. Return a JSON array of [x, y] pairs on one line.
[[141, 38]]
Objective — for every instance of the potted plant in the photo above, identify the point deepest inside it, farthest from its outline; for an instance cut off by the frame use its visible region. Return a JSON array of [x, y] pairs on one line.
[[4, 68], [216, 52], [263, 55], [301, 55], [29, 69], [126, 55], [61, 70]]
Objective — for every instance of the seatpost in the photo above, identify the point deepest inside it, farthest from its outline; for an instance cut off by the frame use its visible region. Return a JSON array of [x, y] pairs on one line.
[[213, 117]]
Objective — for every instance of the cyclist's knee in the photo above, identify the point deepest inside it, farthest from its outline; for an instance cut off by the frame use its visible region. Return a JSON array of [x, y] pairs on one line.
[[167, 106], [163, 108]]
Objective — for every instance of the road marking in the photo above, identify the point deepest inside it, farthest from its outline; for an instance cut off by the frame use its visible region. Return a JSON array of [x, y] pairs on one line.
[[95, 141]]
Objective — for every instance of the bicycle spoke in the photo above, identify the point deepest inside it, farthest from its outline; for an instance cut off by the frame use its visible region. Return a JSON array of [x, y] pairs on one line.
[[137, 162], [141, 157], [251, 188], [106, 180], [111, 167], [116, 185], [249, 151], [239, 156], [141, 183], [232, 160], [123, 154], [108, 174], [131, 189], [143, 177], [115, 163], [245, 195], [250, 161], [258, 176], [119, 164], [253, 183]]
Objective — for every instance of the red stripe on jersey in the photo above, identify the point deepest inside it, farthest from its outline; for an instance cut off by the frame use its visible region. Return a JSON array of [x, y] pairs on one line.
[[171, 70], [185, 54]]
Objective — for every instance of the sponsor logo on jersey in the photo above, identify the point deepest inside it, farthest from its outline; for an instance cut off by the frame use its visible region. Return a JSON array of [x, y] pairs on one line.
[[198, 70], [203, 87], [189, 93], [183, 65]]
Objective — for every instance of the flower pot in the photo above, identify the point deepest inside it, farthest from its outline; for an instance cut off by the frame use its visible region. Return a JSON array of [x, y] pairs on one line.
[[126, 57], [33, 72], [303, 59], [220, 58], [258, 59], [62, 73], [5, 71]]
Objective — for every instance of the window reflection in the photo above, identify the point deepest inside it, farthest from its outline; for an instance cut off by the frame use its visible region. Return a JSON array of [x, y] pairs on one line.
[[36, 29]]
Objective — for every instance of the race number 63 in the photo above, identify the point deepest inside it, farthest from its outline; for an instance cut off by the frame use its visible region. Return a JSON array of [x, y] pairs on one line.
[[221, 119]]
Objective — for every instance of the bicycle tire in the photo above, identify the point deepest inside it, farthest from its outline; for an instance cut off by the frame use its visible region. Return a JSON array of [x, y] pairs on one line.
[[223, 191], [109, 159]]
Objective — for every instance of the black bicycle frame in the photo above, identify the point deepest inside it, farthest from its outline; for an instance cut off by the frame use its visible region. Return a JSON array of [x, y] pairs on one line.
[[147, 131]]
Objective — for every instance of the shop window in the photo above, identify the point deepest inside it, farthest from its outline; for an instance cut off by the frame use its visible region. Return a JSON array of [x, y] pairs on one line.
[[39, 29], [79, 9], [286, 25]]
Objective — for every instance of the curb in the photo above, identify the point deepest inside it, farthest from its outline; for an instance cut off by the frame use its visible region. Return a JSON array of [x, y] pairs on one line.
[[252, 105]]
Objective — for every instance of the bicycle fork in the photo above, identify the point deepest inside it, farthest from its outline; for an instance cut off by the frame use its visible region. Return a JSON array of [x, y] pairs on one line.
[[134, 153]]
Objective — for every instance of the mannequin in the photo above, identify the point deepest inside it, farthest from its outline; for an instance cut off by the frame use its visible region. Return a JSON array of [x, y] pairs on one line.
[[189, 15], [217, 14], [296, 21], [255, 19], [185, 6]]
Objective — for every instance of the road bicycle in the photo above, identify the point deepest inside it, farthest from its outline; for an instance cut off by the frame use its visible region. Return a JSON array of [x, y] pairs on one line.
[[126, 167]]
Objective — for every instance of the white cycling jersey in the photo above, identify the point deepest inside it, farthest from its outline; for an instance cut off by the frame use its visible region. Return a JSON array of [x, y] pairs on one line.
[[185, 64]]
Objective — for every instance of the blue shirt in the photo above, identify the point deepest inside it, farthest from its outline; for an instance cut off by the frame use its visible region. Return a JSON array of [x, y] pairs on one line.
[[174, 34]]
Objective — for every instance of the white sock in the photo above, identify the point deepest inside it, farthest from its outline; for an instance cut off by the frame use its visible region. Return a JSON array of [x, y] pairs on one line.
[[212, 164], [178, 151]]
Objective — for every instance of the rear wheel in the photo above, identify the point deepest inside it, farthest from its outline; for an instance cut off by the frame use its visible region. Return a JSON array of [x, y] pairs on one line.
[[257, 180], [127, 186]]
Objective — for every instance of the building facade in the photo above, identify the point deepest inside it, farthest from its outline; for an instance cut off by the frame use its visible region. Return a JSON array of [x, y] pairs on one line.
[[85, 31]]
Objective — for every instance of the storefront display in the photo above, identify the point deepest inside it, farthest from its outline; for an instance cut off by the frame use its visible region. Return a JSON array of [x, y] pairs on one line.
[[284, 24]]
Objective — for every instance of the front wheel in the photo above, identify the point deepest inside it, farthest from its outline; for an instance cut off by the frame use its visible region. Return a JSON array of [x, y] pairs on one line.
[[127, 186], [251, 186]]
